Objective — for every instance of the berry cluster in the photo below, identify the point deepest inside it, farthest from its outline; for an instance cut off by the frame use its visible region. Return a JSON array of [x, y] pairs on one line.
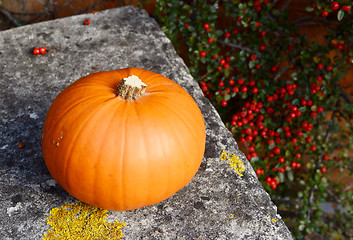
[[87, 22], [38, 51], [278, 93]]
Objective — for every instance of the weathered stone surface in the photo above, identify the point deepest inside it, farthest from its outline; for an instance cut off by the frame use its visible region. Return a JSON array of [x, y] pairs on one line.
[[118, 38]]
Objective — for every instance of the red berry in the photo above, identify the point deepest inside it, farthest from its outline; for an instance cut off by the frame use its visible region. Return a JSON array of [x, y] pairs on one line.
[[308, 139], [255, 132], [224, 103], [269, 98], [293, 164], [36, 51], [231, 82], [247, 131], [262, 47], [276, 150], [334, 5], [274, 69], [269, 110], [324, 13], [202, 54], [206, 26], [186, 25], [255, 90], [329, 68], [313, 147], [281, 159], [210, 40], [320, 109], [268, 180], [227, 34], [291, 47], [298, 155], [222, 61], [87, 22], [42, 50], [320, 66], [244, 89], [323, 169], [253, 57], [235, 89], [288, 134], [346, 8], [313, 114], [240, 81]]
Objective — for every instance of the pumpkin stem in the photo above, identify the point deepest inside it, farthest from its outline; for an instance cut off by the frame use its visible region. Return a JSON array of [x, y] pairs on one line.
[[131, 88]]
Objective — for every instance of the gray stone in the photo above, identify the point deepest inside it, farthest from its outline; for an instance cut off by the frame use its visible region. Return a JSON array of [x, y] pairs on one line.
[[117, 38]]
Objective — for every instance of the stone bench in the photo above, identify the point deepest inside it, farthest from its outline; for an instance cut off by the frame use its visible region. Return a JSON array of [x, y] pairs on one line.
[[217, 204]]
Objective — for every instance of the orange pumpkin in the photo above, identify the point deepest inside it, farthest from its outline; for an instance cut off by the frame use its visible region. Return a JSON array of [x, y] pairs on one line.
[[117, 143]]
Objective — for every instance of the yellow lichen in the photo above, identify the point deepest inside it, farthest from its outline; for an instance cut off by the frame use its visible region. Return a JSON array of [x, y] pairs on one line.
[[234, 162], [274, 220], [81, 221]]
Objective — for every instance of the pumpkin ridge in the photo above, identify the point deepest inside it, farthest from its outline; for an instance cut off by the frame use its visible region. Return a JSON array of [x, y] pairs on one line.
[[140, 120], [72, 107], [179, 138], [88, 118], [96, 176], [187, 124], [122, 187]]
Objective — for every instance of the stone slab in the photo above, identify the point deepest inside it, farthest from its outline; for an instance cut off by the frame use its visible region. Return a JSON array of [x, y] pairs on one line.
[[216, 204]]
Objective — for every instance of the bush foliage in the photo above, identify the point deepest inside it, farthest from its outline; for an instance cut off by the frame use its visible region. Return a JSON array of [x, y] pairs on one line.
[[280, 95]]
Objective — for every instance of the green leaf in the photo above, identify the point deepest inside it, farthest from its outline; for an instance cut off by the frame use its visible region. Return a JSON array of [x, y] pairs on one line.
[[295, 102], [226, 73], [294, 76], [218, 32], [252, 64], [340, 15], [300, 194], [309, 8], [290, 176]]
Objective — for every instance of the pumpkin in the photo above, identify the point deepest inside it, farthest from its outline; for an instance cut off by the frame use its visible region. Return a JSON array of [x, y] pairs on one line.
[[123, 139]]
